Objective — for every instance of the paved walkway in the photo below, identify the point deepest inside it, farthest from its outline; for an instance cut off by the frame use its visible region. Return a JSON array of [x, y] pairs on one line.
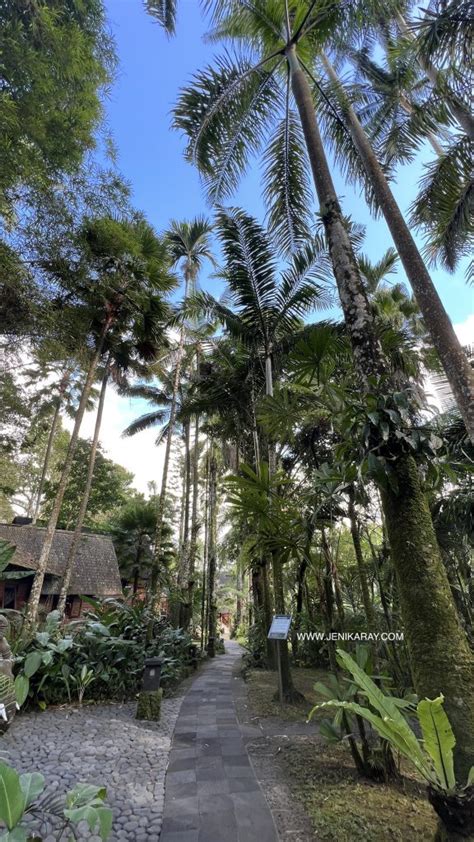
[[211, 792]]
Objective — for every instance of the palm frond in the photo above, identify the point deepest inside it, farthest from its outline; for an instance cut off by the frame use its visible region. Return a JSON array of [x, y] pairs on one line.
[[250, 266], [225, 113], [144, 422], [164, 11], [287, 191], [444, 206]]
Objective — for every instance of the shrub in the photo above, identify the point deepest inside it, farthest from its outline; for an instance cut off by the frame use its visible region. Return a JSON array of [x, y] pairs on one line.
[[100, 657]]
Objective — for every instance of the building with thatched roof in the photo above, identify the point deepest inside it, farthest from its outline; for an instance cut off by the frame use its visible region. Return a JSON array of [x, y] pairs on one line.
[[95, 574]]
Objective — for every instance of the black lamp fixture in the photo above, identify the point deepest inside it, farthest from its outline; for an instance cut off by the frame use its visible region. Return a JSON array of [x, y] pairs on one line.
[[152, 674]]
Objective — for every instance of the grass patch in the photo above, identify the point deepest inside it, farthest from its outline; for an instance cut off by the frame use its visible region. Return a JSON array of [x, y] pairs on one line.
[[346, 808], [263, 687], [342, 806]]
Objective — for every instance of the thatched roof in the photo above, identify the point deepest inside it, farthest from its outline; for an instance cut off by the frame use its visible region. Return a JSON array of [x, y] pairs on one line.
[[95, 571]]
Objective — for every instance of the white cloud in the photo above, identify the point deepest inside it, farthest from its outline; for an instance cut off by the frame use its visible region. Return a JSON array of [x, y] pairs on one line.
[[465, 330], [137, 454]]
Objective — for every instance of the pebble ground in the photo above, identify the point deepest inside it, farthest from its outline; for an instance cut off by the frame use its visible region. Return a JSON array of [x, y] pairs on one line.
[[99, 744]]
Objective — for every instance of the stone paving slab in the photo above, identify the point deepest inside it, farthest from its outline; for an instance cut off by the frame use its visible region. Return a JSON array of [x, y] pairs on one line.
[[211, 791]]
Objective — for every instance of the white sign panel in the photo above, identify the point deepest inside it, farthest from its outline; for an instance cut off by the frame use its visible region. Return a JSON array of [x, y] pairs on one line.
[[280, 627]]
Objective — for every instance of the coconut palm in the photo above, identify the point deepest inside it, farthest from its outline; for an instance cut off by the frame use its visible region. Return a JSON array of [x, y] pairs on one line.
[[124, 355], [227, 114]]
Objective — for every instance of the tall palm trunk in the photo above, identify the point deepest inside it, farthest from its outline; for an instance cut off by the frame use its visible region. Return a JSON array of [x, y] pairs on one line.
[[432, 627], [160, 512], [455, 362], [205, 558], [357, 313], [71, 558], [185, 545], [49, 445], [212, 549], [441, 660], [190, 572], [35, 593], [361, 569], [289, 692], [459, 112]]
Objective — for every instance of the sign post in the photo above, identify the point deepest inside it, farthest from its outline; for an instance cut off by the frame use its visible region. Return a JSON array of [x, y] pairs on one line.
[[279, 631]]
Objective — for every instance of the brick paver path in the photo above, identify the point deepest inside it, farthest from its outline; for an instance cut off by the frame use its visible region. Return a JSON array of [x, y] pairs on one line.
[[212, 794]]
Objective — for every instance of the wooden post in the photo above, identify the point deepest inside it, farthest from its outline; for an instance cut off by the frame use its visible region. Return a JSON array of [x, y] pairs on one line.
[[280, 677]]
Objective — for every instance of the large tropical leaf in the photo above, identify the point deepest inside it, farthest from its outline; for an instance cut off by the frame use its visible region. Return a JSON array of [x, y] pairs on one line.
[[438, 739], [250, 268]]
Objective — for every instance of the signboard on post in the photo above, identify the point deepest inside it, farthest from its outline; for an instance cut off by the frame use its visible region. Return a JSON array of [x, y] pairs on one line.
[[279, 631], [280, 627]]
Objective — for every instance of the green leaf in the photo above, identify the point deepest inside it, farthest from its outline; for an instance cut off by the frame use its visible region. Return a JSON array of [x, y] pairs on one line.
[[32, 663], [94, 814], [12, 799], [18, 834], [7, 551], [329, 732], [22, 686], [32, 784], [439, 739], [385, 705], [389, 731]]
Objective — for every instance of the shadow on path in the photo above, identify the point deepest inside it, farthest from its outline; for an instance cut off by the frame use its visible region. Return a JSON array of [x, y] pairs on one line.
[[212, 794]]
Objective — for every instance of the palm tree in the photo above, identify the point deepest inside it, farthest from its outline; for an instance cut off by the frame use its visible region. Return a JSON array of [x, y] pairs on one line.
[[263, 313], [452, 356], [133, 535], [226, 115], [127, 261], [132, 343], [189, 245]]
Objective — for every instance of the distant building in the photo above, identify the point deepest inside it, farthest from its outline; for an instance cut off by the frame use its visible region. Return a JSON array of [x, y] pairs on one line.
[[95, 574]]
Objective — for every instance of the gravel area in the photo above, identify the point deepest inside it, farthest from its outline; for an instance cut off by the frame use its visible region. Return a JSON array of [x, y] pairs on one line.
[[100, 744]]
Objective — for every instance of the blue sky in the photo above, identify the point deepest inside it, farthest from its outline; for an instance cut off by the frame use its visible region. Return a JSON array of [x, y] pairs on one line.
[[152, 69]]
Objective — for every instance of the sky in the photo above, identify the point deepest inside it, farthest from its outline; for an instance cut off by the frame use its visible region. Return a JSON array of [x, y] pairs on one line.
[[152, 69]]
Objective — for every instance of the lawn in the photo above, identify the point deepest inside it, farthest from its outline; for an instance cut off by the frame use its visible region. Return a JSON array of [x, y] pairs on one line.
[[341, 806]]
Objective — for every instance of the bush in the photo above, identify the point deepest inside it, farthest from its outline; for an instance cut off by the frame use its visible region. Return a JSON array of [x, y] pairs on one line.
[[100, 657]]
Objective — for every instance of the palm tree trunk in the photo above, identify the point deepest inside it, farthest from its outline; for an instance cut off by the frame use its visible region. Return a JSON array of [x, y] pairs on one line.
[[238, 600], [463, 117], [361, 569], [160, 512], [66, 580], [455, 362], [212, 618], [184, 549], [205, 558], [289, 692], [440, 657], [366, 347], [49, 445], [430, 618], [35, 593], [194, 525]]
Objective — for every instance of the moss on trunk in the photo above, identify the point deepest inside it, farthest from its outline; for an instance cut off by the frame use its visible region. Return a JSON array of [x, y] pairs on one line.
[[441, 659]]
